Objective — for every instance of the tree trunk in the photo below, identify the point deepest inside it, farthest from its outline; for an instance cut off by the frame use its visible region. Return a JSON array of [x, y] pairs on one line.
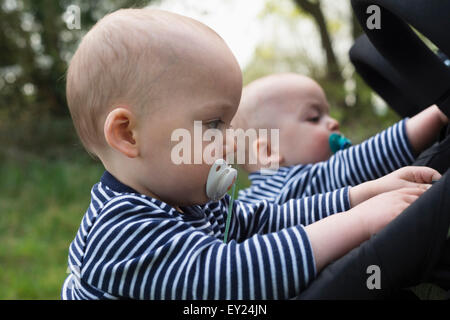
[[315, 10]]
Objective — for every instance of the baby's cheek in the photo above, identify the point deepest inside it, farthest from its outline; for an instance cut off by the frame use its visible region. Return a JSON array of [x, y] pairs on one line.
[[322, 146], [191, 186], [198, 177]]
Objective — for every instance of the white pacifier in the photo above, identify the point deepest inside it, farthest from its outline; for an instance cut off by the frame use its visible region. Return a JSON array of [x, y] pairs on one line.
[[220, 179]]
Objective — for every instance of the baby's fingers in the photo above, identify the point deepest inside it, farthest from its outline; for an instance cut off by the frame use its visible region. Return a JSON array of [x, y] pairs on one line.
[[426, 175], [410, 198], [419, 174], [415, 191], [422, 186], [409, 195]]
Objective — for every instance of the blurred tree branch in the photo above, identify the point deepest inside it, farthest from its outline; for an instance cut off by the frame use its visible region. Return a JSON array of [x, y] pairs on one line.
[[35, 49], [35, 42], [314, 9]]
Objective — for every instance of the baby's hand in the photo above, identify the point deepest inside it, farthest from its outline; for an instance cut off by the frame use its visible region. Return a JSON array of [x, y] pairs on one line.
[[440, 114], [424, 127], [375, 213], [407, 177]]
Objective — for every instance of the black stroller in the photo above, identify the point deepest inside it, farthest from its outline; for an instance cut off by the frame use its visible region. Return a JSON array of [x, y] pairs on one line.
[[399, 66]]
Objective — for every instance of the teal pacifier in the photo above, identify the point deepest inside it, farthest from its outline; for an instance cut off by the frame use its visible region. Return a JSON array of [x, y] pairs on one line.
[[338, 142]]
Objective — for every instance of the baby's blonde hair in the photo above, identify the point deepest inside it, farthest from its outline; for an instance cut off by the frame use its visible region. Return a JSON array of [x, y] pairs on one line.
[[261, 98], [121, 60]]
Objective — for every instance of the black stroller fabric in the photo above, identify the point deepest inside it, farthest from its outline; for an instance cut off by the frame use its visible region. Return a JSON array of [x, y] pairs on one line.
[[412, 249], [438, 156], [384, 79], [405, 51]]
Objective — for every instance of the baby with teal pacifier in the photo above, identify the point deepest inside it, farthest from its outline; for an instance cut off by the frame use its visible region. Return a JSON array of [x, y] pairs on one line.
[[298, 107]]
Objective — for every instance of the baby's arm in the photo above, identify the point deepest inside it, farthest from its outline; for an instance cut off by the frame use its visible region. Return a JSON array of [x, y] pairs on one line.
[[423, 128], [335, 235], [387, 151], [319, 206], [264, 217], [406, 177], [164, 256]]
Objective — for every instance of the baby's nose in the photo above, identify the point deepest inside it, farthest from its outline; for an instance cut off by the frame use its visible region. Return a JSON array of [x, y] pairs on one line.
[[333, 124]]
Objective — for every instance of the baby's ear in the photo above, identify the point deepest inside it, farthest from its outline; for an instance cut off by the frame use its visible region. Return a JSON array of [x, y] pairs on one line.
[[121, 132], [267, 155]]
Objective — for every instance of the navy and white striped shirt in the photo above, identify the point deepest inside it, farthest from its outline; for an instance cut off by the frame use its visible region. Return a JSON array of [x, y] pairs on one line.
[[381, 154], [133, 246]]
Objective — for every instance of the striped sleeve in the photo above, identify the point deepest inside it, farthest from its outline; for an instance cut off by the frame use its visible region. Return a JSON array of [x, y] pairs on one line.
[[383, 153], [146, 255], [265, 217]]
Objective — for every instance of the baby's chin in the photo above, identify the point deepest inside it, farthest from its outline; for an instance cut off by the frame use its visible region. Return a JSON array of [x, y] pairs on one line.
[[311, 160], [323, 159], [324, 156], [200, 198]]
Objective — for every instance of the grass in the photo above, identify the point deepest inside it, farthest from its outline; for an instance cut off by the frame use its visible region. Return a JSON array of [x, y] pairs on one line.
[[41, 205]]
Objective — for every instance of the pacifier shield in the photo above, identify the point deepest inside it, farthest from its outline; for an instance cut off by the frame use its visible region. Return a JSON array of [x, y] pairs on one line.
[[338, 142], [220, 179]]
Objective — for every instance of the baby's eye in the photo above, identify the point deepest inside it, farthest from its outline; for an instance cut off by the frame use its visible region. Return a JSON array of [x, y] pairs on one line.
[[214, 124], [314, 119]]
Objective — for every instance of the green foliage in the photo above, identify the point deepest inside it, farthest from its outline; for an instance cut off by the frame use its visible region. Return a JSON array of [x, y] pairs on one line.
[[42, 203], [46, 176], [284, 9], [36, 46], [358, 121], [357, 118]]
